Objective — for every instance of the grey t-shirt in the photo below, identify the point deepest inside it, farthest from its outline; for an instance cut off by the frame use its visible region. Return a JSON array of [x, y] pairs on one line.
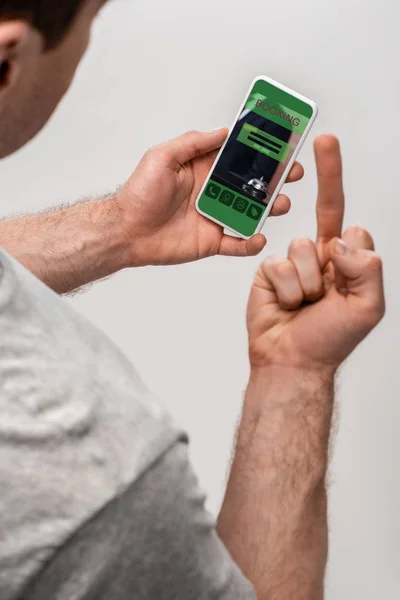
[[98, 500]]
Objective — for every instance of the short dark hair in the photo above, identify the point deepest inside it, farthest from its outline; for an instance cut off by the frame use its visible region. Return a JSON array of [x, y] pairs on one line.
[[52, 18]]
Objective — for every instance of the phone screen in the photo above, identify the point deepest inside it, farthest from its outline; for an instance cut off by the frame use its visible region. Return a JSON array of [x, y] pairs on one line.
[[249, 171]]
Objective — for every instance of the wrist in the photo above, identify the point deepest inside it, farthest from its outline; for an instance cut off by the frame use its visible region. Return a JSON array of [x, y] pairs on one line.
[[110, 241], [287, 384], [281, 358], [133, 238], [315, 375]]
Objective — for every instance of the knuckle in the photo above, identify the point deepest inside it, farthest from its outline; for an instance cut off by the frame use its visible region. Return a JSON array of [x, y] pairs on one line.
[[266, 268], [375, 314], [314, 292], [162, 154], [291, 303], [152, 152], [375, 263], [284, 268], [190, 140], [149, 153], [380, 313], [272, 263], [301, 244], [373, 311], [269, 263], [356, 230], [359, 237], [257, 353]]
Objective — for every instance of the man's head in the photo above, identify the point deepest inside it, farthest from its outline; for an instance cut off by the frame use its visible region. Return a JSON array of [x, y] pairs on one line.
[[41, 45]]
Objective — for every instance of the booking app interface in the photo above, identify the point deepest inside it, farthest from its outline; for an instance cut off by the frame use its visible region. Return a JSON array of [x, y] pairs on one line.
[[269, 128]]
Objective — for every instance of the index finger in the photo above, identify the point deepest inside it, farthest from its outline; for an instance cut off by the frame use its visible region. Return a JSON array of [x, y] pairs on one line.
[[330, 200]]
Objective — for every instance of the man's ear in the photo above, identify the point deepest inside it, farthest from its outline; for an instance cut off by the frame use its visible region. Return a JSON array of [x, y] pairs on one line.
[[14, 37]]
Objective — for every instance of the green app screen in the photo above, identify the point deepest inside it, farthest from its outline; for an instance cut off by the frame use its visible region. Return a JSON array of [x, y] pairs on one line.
[[250, 168]]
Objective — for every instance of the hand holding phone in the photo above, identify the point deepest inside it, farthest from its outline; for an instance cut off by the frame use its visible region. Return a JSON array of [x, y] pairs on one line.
[[257, 157], [157, 205]]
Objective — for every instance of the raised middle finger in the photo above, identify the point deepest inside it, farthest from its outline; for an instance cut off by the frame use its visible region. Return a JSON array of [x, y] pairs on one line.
[[330, 200]]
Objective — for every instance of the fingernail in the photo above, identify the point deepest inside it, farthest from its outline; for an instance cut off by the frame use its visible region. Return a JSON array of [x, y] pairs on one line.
[[341, 247]]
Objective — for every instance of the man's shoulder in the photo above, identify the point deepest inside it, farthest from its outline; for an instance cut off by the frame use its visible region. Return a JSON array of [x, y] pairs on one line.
[[156, 540], [77, 424]]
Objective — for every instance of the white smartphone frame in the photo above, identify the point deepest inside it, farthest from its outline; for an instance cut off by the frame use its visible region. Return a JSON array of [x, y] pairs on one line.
[[286, 172]]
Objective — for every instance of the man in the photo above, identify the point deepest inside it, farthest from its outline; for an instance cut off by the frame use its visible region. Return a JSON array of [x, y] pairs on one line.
[[41, 44], [97, 496]]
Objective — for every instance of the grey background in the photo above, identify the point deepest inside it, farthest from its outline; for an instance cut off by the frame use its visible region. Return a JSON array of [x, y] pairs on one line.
[[157, 68]]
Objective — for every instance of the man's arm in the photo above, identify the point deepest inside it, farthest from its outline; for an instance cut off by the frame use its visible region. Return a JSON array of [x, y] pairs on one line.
[[69, 247], [306, 314], [274, 517], [152, 220]]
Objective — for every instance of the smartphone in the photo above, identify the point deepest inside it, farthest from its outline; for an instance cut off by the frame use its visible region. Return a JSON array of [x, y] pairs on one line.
[[256, 158]]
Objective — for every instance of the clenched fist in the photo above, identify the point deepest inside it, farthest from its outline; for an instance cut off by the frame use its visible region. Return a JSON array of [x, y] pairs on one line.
[[311, 309]]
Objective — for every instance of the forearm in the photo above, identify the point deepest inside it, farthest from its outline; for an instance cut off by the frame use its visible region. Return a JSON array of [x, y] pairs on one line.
[[274, 516], [69, 247]]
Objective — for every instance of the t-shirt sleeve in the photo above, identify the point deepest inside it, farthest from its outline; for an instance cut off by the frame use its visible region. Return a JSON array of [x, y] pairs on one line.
[[156, 540]]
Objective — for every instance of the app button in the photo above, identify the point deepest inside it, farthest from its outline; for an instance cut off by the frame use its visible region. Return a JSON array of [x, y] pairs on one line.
[[240, 204], [226, 197], [254, 211], [213, 190]]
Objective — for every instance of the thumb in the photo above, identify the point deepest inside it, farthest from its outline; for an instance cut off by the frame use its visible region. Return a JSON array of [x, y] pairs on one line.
[[191, 144], [362, 272], [231, 246]]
